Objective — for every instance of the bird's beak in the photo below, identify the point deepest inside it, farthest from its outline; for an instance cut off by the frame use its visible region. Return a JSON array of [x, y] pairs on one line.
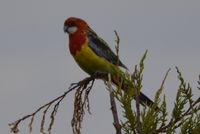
[[65, 28]]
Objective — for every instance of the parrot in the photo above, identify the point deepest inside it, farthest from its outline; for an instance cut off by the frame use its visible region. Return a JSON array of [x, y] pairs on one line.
[[93, 54]]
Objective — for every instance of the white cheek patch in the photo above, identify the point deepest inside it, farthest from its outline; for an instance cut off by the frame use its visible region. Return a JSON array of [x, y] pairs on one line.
[[72, 30]]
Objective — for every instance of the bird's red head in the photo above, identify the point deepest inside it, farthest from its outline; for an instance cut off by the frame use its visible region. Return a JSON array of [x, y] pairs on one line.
[[74, 25], [76, 28]]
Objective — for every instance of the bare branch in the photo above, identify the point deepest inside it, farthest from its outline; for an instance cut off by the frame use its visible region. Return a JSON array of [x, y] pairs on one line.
[[14, 125], [117, 46], [79, 87], [113, 107]]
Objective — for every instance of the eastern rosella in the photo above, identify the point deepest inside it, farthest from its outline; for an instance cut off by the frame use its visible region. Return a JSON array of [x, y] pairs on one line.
[[92, 53]]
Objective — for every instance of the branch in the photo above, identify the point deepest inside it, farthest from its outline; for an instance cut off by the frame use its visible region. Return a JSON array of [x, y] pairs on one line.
[[113, 107], [14, 125], [112, 96], [117, 46], [188, 111], [76, 121], [137, 102]]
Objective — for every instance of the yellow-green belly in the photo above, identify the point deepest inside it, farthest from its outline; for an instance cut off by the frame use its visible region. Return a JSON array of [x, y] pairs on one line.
[[91, 63]]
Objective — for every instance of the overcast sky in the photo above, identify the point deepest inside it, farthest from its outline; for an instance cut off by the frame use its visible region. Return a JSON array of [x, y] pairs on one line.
[[36, 66]]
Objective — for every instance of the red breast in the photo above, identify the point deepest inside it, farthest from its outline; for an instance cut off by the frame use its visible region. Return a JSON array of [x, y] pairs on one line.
[[76, 41]]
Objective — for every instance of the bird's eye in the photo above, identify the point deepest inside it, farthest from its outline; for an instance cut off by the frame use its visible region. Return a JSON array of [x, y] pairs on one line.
[[73, 23]]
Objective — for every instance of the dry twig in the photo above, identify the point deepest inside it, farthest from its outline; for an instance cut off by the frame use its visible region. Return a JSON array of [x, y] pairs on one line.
[[79, 106], [113, 107]]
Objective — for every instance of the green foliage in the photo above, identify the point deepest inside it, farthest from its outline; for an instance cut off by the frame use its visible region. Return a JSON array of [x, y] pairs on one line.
[[185, 116]]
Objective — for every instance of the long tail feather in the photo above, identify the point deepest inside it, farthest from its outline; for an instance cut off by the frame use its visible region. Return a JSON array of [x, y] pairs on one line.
[[126, 85]]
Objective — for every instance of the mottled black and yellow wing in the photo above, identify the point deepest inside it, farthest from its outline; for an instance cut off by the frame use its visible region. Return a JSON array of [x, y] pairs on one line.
[[101, 48]]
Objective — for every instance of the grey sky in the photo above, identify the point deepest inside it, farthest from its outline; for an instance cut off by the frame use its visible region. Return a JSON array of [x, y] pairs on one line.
[[35, 64]]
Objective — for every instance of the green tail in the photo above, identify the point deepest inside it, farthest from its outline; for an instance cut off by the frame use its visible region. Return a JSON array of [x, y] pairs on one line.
[[126, 84]]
